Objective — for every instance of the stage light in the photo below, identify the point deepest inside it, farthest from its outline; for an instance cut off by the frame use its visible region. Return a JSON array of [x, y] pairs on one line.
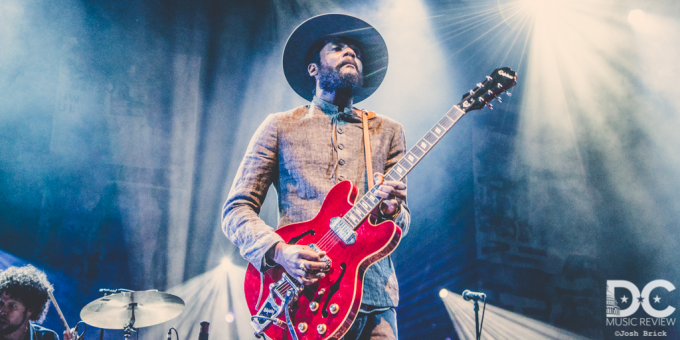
[[637, 17], [498, 321], [229, 318], [443, 293], [225, 262]]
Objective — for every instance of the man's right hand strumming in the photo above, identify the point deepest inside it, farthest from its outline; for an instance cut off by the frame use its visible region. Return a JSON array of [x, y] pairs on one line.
[[300, 261]]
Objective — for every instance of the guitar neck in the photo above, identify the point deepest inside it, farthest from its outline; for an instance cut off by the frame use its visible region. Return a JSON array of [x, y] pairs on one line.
[[355, 216]]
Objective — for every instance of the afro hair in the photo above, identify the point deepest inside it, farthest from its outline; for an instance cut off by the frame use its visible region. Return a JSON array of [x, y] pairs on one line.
[[29, 285]]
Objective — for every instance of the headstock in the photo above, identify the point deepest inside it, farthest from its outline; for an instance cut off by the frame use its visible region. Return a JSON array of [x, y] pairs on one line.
[[500, 80]]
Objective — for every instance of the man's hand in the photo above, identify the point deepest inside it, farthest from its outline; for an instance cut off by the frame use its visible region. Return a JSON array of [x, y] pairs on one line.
[[389, 191], [301, 262], [69, 335]]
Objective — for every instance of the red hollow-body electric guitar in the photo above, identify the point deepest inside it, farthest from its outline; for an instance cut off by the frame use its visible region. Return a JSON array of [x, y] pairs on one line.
[[282, 307]]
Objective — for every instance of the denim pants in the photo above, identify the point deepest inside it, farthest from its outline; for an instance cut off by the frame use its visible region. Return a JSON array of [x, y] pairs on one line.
[[374, 326]]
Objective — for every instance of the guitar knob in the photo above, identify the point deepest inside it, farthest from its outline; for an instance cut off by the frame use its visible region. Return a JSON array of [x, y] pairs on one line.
[[334, 308], [322, 291], [313, 306], [302, 327], [321, 328]]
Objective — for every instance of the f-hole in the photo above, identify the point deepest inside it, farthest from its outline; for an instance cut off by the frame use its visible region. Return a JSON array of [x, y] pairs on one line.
[[295, 239], [334, 288]]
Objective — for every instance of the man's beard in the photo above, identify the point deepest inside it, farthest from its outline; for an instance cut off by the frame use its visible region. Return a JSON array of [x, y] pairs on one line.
[[11, 328], [330, 79]]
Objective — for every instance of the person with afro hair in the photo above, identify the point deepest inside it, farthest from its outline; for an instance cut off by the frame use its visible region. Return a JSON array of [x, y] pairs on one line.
[[24, 300]]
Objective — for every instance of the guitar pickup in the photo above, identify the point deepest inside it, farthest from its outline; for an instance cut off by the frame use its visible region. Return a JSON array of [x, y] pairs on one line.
[[343, 230]]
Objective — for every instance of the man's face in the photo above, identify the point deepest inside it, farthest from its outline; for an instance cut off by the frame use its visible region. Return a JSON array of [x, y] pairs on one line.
[[341, 67], [13, 314]]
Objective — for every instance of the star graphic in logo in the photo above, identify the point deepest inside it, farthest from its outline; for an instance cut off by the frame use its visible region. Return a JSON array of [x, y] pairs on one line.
[[624, 299], [657, 299], [641, 299]]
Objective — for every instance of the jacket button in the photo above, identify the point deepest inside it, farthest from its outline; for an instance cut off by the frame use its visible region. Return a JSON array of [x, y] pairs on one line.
[[341, 162], [340, 130], [341, 146], [340, 178]]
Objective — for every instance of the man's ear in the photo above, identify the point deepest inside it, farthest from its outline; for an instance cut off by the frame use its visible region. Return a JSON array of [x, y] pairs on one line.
[[313, 69]]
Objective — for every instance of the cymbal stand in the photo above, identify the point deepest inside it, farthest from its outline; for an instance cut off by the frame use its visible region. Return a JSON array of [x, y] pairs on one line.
[[128, 329]]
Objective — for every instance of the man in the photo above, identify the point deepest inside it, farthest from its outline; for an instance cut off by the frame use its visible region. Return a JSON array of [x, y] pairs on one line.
[[304, 152], [24, 298]]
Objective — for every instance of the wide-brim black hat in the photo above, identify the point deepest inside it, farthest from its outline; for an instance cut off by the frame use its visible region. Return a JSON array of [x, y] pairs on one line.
[[373, 52]]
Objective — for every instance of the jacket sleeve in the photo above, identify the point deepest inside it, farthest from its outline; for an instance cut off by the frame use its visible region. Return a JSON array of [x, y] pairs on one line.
[[397, 151], [240, 220]]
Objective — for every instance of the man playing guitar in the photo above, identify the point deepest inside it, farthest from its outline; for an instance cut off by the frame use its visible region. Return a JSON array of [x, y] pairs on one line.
[[334, 61]]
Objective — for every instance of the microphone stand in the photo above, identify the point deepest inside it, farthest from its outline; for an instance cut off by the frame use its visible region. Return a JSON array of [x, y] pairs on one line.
[[477, 335], [108, 292]]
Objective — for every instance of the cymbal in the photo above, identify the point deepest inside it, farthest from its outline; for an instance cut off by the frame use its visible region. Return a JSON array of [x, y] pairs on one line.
[[114, 311]]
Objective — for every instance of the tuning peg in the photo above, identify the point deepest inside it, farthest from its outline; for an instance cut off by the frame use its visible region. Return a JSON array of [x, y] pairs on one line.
[[471, 92], [481, 100], [499, 99], [499, 85], [489, 92], [508, 93], [488, 78], [489, 106]]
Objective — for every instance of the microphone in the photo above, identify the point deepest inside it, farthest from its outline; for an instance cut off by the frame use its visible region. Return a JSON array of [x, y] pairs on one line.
[[474, 296]]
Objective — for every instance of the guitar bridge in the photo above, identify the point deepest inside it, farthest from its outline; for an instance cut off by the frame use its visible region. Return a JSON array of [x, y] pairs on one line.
[[286, 289]]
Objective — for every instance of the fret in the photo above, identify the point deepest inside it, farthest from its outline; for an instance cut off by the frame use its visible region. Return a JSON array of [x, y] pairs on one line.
[[352, 218], [431, 137], [455, 113], [452, 114], [411, 158], [438, 131], [363, 204], [405, 163], [400, 170], [416, 150], [371, 198], [389, 176], [446, 123], [363, 211]]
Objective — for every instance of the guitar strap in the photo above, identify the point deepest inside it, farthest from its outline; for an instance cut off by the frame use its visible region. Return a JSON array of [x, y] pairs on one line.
[[367, 147]]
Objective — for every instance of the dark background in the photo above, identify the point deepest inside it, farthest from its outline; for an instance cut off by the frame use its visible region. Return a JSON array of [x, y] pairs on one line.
[[122, 124]]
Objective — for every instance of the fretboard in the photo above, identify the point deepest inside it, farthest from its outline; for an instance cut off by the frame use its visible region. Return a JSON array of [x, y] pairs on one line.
[[355, 216]]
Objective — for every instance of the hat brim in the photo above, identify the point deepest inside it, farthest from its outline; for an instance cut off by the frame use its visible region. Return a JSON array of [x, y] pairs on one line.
[[374, 52]]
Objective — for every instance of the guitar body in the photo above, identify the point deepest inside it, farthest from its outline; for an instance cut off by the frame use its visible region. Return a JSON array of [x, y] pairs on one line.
[[342, 285]]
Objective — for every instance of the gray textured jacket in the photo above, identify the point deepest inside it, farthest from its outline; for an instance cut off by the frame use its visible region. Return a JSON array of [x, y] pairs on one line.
[[304, 152]]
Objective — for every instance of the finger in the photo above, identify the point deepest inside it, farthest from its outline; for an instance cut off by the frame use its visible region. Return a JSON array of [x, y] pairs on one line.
[[392, 191], [378, 178], [309, 254], [395, 184], [307, 281], [315, 266], [390, 206]]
